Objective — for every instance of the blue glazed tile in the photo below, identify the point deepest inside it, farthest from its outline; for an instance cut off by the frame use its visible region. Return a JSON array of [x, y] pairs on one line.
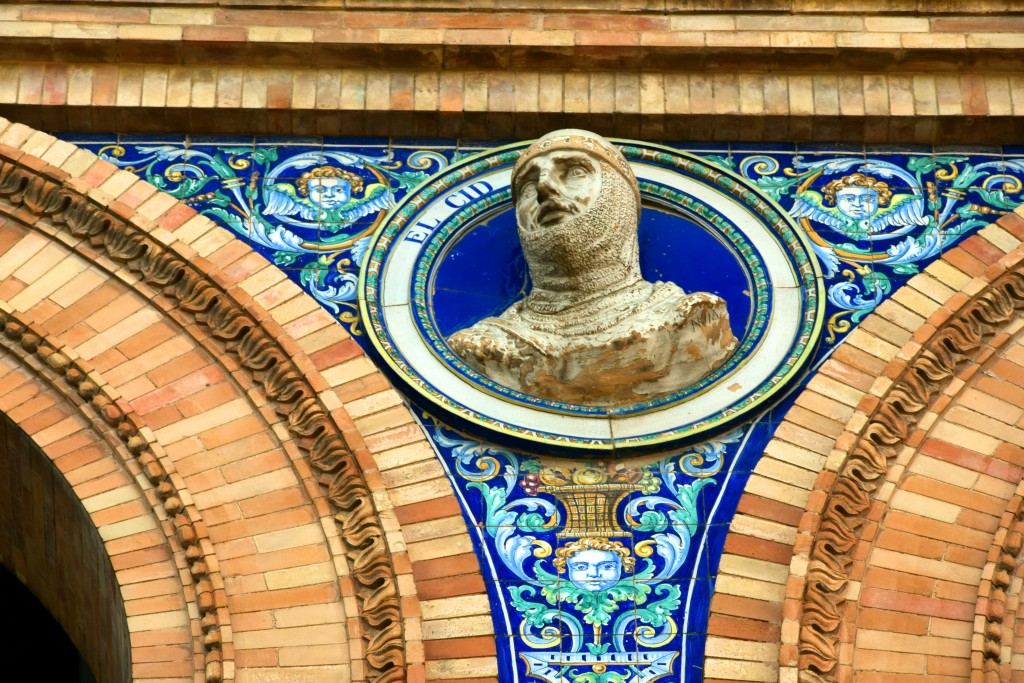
[[378, 158], [459, 300], [887, 148], [288, 140], [968, 150], [723, 161], [292, 161], [435, 144], [830, 148], [761, 148], [365, 142], [151, 139], [700, 147], [482, 144], [413, 166], [222, 140]]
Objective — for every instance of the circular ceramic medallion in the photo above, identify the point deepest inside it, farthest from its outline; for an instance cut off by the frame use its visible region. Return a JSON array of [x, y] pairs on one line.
[[448, 256]]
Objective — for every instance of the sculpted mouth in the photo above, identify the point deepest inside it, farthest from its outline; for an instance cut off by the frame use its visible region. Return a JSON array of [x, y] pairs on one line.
[[553, 211]]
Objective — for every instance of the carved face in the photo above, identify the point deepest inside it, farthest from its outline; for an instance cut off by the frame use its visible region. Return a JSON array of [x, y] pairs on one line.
[[556, 187], [594, 570], [329, 193], [857, 202]]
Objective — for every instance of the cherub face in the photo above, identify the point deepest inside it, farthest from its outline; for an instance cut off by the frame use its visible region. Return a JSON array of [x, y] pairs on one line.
[[329, 193], [594, 570], [857, 202], [556, 187]]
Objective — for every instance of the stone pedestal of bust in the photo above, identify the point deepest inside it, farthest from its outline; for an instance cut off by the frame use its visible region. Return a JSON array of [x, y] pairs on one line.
[[592, 330]]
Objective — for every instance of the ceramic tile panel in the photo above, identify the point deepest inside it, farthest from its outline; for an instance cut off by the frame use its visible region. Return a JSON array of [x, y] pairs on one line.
[[599, 570]]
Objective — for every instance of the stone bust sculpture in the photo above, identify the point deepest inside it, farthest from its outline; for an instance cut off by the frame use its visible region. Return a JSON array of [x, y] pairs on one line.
[[591, 330]]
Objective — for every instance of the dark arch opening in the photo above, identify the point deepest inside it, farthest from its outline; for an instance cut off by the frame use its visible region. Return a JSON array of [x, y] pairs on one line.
[[39, 637], [49, 544]]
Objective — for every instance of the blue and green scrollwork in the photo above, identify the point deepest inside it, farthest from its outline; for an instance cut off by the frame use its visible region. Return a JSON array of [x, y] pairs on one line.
[[591, 553], [874, 221], [597, 572], [310, 210]]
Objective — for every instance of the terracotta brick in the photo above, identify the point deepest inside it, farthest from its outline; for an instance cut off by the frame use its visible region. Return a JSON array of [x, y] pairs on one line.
[[769, 509], [744, 629], [598, 22], [930, 528], [459, 647], [978, 520], [954, 494], [449, 587], [454, 565], [746, 607], [930, 95], [758, 548], [981, 250], [953, 667]]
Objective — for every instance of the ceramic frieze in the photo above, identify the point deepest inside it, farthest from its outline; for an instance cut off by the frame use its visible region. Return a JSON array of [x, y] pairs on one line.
[[599, 544], [310, 208], [874, 220]]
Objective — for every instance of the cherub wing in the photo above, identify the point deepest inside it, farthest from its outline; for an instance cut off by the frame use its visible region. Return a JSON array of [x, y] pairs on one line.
[[281, 200], [376, 198], [808, 204], [903, 210]]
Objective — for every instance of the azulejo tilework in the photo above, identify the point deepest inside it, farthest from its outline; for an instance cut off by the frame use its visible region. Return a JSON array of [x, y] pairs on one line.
[[598, 570], [416, 288]]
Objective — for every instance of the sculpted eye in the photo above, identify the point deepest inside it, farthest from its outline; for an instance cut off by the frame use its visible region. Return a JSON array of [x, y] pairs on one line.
[[578, 172], [528, 188]]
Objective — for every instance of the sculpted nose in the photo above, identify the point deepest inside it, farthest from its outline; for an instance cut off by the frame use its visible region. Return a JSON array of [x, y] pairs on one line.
[[544, 186]]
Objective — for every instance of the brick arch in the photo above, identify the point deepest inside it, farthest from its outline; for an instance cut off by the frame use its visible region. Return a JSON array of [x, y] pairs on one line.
[[919, 563], [113, 517], [996, 634], [151, 540], [806, 531], [53, 544], [340, 545]]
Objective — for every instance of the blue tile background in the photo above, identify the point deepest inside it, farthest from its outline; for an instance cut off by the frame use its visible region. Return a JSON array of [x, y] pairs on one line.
[[961, 189]]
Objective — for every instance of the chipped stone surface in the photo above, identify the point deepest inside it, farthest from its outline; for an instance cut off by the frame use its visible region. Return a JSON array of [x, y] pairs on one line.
[[592, 330]]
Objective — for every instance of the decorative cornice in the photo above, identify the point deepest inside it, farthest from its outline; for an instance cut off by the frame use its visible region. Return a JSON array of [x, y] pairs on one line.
[[29, 343], [671, 98], [868, 461], [265, 361]]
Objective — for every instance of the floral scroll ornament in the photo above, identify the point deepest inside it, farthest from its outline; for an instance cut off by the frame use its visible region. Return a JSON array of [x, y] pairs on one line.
[[596, 550], [871, 220], [313, 211]]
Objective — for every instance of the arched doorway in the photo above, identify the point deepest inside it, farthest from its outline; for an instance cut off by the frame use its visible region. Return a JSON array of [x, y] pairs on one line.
[[49, 544]]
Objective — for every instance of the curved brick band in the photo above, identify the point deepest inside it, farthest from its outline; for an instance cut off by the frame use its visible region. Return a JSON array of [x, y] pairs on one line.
[[874, 503]]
